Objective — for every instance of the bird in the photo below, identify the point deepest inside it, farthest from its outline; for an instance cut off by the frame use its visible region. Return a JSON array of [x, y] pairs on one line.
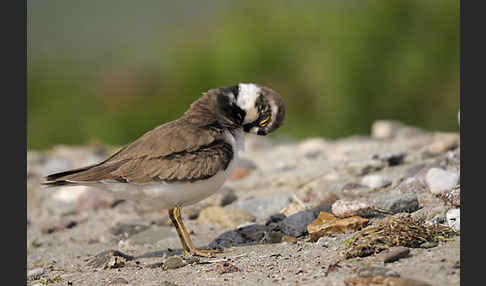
[[184, 161]]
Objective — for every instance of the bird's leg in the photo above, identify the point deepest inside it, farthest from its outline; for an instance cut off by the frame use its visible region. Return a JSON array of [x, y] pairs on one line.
[[172, 217], [189, 247]]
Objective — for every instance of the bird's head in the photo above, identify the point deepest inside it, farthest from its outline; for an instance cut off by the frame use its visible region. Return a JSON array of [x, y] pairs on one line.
[[258, 109]]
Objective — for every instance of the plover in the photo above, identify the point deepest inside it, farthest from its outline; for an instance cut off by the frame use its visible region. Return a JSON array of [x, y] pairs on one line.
[[186, 160]]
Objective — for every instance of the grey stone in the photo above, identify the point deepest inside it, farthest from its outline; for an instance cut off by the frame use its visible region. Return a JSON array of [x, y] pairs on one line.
[[397, 203], [323, 242], [411, 185], [373, 271], [262, 207], [393, 254], [127, 229], [105, 257], [35, 273], [296, 225], [376, 181], [174, 262], [360, 168], [440, 180], [275, 218], [429, 244], [429, 213], [227, 239], [453, 217]]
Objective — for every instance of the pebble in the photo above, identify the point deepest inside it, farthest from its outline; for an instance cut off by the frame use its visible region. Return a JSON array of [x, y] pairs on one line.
[[174, 262], [397, 203], [35, 273], [117, 281], [453, 217], [296, 225], [440, 180], [323, 242], [376, 181], [393, 254], [275, 218], [226, 218], [428, 213], [411, 185], [227, 239], [386, 129], [374, 271], [262, 207], [345, 208], [443, 142], [360, 168], [127, 229], [429, 244]]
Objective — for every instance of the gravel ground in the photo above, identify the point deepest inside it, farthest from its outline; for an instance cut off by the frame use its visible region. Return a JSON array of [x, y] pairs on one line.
[[84, 236]]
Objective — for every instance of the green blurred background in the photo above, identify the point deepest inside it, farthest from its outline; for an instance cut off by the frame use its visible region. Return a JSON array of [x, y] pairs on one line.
[[111, 70]]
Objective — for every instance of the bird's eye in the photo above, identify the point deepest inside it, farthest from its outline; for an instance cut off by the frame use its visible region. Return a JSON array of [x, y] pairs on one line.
[[264, 122]]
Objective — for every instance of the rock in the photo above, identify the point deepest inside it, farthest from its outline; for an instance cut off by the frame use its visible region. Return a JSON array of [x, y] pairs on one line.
[[397, 203], [226, 196], [429, 213], [328, 198], [313, 147], [440, 180], [174, 262], [106, 258], [126, 230], [262, 207], [227, 239], [362, 167], [453, 217], [391, 159], [387, 129], [35, 274], [115, 262], [345, 208], [296, 225], [327, 223], [275, 218], [117, 281], [443, 142], [376, 181], [254, 232], [393, 254], [410, 282], [323, 242], [225, 267], [373, 271], [238, 173], [429, 244], [226, 218], [411, 185]]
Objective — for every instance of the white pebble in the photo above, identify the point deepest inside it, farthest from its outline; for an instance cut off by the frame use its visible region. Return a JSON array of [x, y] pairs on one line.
[[440, 180], [376, 181]]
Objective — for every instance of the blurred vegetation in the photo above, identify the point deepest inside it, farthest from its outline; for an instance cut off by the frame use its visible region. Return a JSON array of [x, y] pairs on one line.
[[339, 66]]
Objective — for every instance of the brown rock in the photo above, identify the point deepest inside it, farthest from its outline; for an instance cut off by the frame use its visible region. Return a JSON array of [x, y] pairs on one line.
[[238, 174], [327, 223], [393, 254]]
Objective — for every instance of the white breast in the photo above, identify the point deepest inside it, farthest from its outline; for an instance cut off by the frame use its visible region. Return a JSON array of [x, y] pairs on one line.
[[165, 195]]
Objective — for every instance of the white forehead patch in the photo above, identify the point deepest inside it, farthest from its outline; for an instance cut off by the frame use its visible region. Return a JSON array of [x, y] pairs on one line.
[[248, 94]]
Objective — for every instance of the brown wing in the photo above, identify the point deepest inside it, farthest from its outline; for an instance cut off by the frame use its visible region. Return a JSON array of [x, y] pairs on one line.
[[170, 152]]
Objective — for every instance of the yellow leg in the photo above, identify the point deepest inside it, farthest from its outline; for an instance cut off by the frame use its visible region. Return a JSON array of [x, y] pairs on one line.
[[189, 248]]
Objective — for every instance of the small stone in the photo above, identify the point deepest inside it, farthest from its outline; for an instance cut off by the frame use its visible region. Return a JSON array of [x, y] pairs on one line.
[[453, 217], [443, 142], [328, 198], [376, 181], [296, 225], [35, 273], [392, 159], [411, 185], [58, 227], [323, 242], [393, 254], [440, 180], [225, 267], [228, 196], [238, 173], [174, 262], [115, 262], [127, 229], [410, 282], [428, 213], [262, 207], [254, 232], [386, 129], [226, 218], [117, 281], [105, 258], [373, 271], [397, 203], [360, 168], [429, 244], [227, 239], [275, 218], [345, 208], [326, 223]]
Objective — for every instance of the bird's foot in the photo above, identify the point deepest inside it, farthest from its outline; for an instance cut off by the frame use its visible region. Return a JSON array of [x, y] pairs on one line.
[[203, 252]]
